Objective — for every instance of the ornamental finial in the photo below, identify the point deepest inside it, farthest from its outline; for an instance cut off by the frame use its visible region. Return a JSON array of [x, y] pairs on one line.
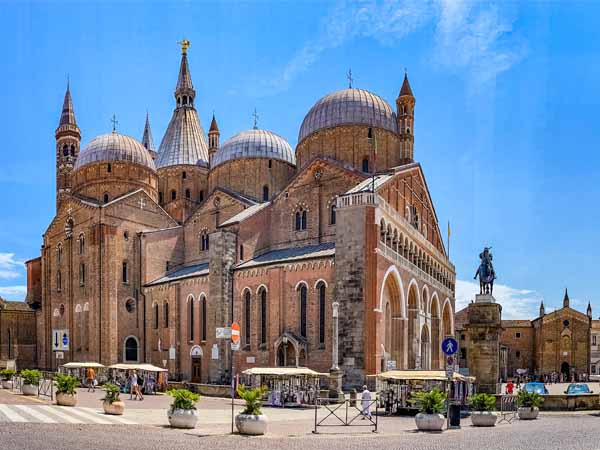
[[185, 44]]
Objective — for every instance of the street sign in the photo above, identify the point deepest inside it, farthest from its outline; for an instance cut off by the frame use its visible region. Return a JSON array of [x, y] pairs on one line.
[[60, 340], [235, 333], [235, 346], [223, 333], [449, 366], [391, 365], [449, 346], [60, 355]]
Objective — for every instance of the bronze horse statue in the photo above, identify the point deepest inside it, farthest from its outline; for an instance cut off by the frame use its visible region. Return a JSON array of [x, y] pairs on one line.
[[485, 272]]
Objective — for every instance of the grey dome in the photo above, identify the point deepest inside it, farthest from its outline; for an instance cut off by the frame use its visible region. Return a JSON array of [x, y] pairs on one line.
[[114, 147], [184, 141], [349, 107], [254, 144]]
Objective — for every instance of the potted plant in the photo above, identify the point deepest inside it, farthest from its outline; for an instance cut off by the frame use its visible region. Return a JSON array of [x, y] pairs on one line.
[[31, 379], [112, 402], [7, 375], [483, 414], [529, 405], [182, 413], [251, 420], [66, 395], [431, 405]]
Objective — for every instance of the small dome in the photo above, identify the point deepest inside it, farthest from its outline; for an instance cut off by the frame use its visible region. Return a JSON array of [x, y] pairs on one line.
[[114, 147], [349, 107], [254, 144]]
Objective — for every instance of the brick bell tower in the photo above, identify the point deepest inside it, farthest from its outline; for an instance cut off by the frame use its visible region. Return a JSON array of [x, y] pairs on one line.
[[405, 113], [68, 140]]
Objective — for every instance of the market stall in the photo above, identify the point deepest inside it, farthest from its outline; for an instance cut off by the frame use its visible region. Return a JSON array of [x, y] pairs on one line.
[[151, 378], [396, 386], [287, 386], [81, 369]]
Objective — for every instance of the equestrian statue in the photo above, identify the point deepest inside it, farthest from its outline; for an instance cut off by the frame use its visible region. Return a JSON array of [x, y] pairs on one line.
[[486, 273]]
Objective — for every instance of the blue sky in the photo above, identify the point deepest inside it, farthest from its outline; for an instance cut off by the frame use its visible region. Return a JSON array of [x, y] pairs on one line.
[[506, 96]]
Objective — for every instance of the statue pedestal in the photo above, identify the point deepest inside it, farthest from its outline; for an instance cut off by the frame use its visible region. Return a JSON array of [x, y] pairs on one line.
[[484, 326], [335, 384]]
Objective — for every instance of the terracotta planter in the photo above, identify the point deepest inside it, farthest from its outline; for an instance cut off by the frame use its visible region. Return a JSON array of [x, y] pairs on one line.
[[29, 389], [483, 418], [250, 424], [114, 408], [64, 399], [430, 422], [182, 418], [7, 384], [528, 413]]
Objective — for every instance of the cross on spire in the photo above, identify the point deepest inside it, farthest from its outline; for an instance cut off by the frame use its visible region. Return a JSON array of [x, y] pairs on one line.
[[350, 79], [114, 122], [255, 117]]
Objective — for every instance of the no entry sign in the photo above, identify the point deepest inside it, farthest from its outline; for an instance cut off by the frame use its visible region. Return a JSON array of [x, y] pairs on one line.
[[235, 333]]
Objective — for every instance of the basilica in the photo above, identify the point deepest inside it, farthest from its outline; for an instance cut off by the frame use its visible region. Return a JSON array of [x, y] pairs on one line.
[[153, 252]]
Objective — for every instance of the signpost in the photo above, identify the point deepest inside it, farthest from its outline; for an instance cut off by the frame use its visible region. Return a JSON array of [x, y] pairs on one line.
[[235, 345], [449, 347]]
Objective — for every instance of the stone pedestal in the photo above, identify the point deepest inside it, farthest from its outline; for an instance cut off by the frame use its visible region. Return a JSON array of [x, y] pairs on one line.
[[483, 353], [335, 384]]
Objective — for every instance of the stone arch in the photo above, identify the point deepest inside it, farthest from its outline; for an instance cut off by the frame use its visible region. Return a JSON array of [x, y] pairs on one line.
[[435, 336], [321, 280], [131, 349], [425, 348], [425, 299], [413, 302], [262, 286], [447, 318], [299, 283], [393, 305]]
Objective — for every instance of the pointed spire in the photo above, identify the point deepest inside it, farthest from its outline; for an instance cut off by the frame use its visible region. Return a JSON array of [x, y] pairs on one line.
[[147, 140], [589, 310], [213, 124], [405, 89], [542, 309], [566, 299], [67, 116], [184, 81]]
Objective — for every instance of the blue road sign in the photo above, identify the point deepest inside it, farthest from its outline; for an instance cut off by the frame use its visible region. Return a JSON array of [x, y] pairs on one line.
[[449, 346], [65, 339]]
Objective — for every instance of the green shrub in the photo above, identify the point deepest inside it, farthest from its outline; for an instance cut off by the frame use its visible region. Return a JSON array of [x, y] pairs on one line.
[[253, 399], [529, 399], [483, 402], [7, 374], [183, 399], [431, 402], [66, 384], [112, 393], [31, 376]]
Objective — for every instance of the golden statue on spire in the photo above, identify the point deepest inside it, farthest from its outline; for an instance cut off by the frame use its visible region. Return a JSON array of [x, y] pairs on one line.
[[185, 44]]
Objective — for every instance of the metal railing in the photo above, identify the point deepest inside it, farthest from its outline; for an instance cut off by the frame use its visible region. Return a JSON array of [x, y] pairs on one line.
[[46, 388], [346, 413]]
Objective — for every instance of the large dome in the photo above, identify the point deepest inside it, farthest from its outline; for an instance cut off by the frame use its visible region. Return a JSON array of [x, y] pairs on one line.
[[348, 107], [114, 147], [254, 144]]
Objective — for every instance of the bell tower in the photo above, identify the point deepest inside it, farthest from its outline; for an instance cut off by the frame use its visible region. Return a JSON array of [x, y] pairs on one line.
[[68, 140], [405, 113], [213, 139]]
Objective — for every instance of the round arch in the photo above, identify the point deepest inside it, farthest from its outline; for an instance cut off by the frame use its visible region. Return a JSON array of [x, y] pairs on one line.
[[414, 283], [448, 307], [262, 286], [131, 349], [300, 283], [321, 280], [393, 272], [426, 299]]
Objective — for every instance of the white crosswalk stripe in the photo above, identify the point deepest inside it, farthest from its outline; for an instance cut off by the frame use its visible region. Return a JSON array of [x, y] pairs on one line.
[[58, 414]]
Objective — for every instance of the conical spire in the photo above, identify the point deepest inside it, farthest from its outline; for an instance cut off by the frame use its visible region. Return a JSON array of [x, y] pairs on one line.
[[147, 140], [184, 81], [405, 89], [566, 299], [67, 116], [213, 124], [589, 310], [542, 309]]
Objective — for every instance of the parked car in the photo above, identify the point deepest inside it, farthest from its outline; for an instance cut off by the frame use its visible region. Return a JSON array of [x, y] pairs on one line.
[[578, 388], [537, 387]]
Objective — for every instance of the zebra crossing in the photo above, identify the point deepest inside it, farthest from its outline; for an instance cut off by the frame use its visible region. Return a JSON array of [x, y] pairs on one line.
[[58, 414]]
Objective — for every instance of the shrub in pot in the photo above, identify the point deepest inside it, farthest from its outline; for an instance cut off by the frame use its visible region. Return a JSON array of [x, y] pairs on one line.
[[431, 405], [182, 413], [483, 406], [66, 395], [251, 421], [112, 403], [31, 379], [7, 375], [529, 405]]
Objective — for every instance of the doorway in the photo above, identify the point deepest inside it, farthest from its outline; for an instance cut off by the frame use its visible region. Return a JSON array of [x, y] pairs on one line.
[[565, 370], [196, 369]]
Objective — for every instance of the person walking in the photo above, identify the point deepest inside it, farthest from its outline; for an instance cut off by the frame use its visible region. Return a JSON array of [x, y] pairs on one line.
[[366, 403], [91, 379], [509, 387], [132, 385]]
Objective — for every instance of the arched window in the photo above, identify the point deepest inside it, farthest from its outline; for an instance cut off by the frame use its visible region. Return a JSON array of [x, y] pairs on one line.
[[59, 253], [322, 310], [188, 193], [300, 222], [201, 196], [65, 150], [365, 165], [184, 174], [265, 193], [72, 150], [304, 220], [82, 274], [156, 316], [166, 312], [191, 317], [125, 273], [303, 294], [81, 244], [131, 349], [173, 194], [247, 321], [332, 215], [204, 241], [58, 281], [263, 316], [105, 197], [203, 305], [109, 167], [241, 252]]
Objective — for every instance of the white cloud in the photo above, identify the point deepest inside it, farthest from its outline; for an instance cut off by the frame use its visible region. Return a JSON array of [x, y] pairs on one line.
[[9, 267], [10, 292], [516, 303], [471, 36]]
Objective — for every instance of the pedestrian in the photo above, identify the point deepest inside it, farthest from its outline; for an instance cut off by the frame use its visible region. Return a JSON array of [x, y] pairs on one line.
[[509, 387], [366, 403], [132, 385], [91, 379]]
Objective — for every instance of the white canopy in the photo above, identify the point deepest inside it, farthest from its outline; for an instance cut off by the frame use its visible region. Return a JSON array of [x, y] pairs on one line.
[[79, 365], [284, 371], [146, 367], [421, 375]]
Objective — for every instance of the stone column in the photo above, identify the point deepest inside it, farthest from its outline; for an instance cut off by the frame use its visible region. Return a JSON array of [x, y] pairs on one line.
[[335, 374]]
